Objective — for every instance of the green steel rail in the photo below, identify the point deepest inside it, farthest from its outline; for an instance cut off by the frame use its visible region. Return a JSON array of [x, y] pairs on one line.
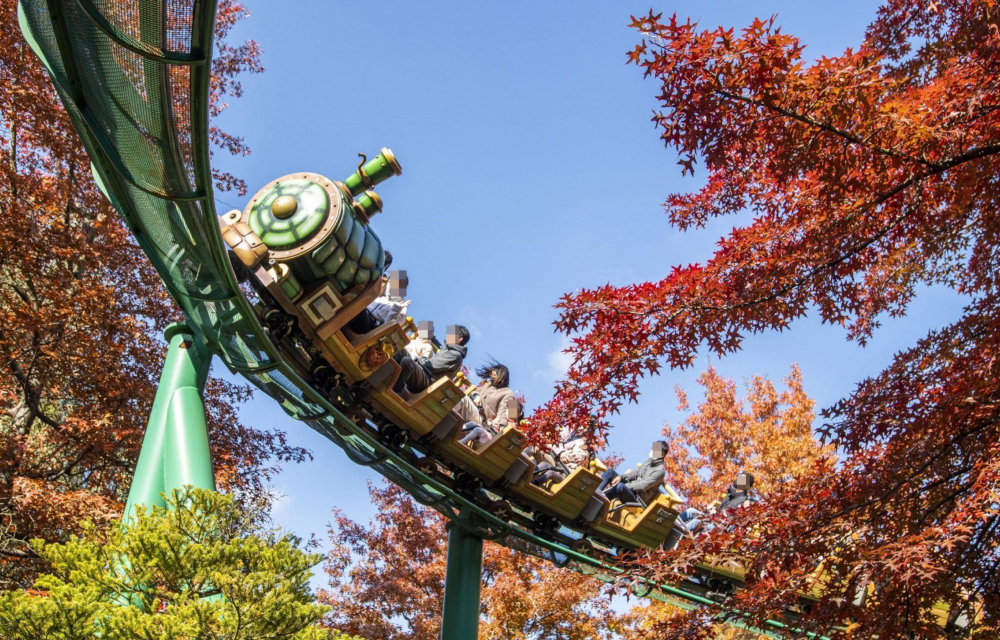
[[134, 78]]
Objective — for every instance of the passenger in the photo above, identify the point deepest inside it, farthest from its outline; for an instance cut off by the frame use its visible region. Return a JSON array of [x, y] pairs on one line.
[[468, 411], [391, 305], [737, 495], [483, 434], [364, 322], [423, 345], [691, 518], [495, 394], [496, 402], [545, 473], [637, 484], [419, 373], [572, 452], [388, 307], [475, 432]]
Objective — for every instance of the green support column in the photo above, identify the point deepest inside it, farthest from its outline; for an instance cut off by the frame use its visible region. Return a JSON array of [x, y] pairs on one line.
[[175, 450], [462, 580]]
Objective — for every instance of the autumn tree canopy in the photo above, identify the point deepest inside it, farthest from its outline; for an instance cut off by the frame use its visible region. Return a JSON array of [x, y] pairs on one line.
[[765, 432], [869, 175], [81, 314], [768, 434], [386, 580]]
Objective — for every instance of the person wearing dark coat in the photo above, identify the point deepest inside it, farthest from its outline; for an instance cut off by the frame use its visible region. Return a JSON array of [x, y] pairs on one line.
[[419, 373], [738, 492], [635, 484]]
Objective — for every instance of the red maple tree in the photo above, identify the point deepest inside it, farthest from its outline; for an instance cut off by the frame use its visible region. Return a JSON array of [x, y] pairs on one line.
[[869, 175], [81, 315]]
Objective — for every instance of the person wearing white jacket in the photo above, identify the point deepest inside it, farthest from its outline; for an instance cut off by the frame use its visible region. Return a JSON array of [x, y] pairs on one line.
[[388, 307], [423, 345], [571, 452]]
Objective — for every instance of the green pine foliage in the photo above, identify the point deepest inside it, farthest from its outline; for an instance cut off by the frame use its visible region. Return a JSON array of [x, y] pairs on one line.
[[193, 570]]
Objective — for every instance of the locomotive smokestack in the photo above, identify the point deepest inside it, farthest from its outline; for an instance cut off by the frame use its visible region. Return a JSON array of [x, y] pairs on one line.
[[372, 172]]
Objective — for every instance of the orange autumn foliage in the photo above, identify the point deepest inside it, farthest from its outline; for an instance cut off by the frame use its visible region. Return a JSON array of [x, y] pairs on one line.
[[386, 581], [768, 434], [81, 315], [646, 620], [386, 578]]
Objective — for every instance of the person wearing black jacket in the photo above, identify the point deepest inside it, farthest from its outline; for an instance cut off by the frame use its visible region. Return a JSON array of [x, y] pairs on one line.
[[737, 495], [419, 373], [738, 492]]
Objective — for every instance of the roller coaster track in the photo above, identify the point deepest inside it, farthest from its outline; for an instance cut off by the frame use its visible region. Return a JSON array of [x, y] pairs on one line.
[[134, 78]]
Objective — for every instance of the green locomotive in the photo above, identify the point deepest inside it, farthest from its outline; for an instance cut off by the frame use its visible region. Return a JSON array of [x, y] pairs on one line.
[[304, 228]]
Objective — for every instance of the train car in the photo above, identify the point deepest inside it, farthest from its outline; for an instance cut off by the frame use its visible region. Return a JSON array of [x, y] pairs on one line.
[[305, 243]]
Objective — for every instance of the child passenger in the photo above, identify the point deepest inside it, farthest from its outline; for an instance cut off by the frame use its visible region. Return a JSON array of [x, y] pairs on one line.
[[571, 452]]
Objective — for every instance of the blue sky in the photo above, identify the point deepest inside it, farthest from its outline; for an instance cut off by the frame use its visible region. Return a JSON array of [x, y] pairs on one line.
[[530, 169]]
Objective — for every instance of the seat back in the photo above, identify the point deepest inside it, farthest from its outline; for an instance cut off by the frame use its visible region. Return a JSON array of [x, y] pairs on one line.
[[641, 527], [491, 460], [361, 356], [566, 499]]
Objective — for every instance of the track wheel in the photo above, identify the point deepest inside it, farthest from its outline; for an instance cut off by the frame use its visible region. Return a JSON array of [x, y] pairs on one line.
[[342, 396], [502, 510], [393, 435], [545, 525], [427, 466], [278, 323], [325, 379], [720, 589], [583, 546], [468, 484]]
